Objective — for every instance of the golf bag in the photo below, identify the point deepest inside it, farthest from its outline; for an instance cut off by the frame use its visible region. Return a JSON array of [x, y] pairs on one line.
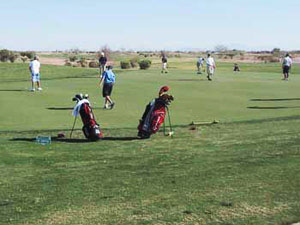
[[91, 129], [154, 116]]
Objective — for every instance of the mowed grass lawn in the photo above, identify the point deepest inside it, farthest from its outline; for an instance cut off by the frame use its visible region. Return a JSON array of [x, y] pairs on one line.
[[244, 170]]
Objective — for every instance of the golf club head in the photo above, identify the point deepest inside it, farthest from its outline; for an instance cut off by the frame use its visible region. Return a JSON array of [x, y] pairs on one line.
[[167, 98], [78, 97]]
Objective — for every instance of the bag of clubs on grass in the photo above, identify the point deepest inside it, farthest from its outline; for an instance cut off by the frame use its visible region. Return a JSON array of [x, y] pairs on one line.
[[91, 129], [155, 113]]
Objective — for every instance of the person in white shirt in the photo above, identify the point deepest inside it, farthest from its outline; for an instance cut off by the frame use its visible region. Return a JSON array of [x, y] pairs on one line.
[[34, 68], [286, 66], [200, 65], [210, 64]]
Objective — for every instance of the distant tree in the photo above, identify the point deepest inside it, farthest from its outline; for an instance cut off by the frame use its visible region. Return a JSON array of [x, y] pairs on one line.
[[221, 48], [106, 51], [28, 54], [276, 52], [73, 58], [75, 50]]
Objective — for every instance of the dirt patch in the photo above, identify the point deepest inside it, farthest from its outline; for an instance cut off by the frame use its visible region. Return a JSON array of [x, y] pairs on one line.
[[52, 61]]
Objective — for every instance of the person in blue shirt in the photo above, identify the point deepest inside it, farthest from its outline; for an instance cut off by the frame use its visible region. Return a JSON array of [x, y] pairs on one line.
[[108, 79]]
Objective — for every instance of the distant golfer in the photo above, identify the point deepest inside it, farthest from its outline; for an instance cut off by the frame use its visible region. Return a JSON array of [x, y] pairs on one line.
[[34, 68], [164, 61], [286, 66], [236, 67], [211, 66], [108, 79], [200, 63], [102, 63]]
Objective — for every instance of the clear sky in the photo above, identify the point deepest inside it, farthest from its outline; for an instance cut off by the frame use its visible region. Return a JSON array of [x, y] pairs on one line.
[[149, 24]]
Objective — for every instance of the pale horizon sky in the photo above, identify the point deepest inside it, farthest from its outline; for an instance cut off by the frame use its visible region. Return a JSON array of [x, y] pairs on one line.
[[149, 25]]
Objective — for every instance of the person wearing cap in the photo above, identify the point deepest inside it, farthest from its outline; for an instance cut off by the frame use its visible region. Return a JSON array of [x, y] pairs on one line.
[[286, 66], [200, 62], [108, 79], [164, 62], [210, 64], [34, 68], [102, 62]]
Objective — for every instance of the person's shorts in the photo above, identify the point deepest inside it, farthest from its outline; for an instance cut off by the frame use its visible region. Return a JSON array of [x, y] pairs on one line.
[[164, 66], [286, 69], [35, 77], [210, 70], [199, 65], [107, 89], [103, 67]]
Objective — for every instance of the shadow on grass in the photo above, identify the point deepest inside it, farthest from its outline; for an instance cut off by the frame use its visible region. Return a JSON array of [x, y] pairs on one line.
[[266, 120], [77, 140], [274, 99], [121, 138], [189, 80], [273, 107], [54, 139], [14, 90], [68, 108], [51, 78], [60, 108]]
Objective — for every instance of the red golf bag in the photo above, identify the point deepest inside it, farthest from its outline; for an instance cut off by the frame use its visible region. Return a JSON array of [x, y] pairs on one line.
[[154, 116], [91, 128]]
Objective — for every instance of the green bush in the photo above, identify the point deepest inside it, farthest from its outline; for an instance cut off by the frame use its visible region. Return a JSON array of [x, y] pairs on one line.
[[73, 58], [134, 62], [125, 64], [28, 54], [5, 54], [68, 63], [12, 58], [82, 62], [145, 64], [24, 59], [93, 64]]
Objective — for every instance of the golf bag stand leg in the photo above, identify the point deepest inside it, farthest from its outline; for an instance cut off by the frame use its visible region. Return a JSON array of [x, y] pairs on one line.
[[170, 125], [73, 126]]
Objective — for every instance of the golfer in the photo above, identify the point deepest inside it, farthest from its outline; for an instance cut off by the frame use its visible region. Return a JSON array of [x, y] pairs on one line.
[[286, 66], [102, 63], [108, 79], [210, 66], [236, 68], [34, 68], [164, 61], [200, 62]]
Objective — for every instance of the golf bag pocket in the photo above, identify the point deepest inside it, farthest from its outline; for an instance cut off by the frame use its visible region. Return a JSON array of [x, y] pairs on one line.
[[158, 119], [92, 133]]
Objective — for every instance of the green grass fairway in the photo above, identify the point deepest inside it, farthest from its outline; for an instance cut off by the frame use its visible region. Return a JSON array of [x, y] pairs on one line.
[[244, 170]]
